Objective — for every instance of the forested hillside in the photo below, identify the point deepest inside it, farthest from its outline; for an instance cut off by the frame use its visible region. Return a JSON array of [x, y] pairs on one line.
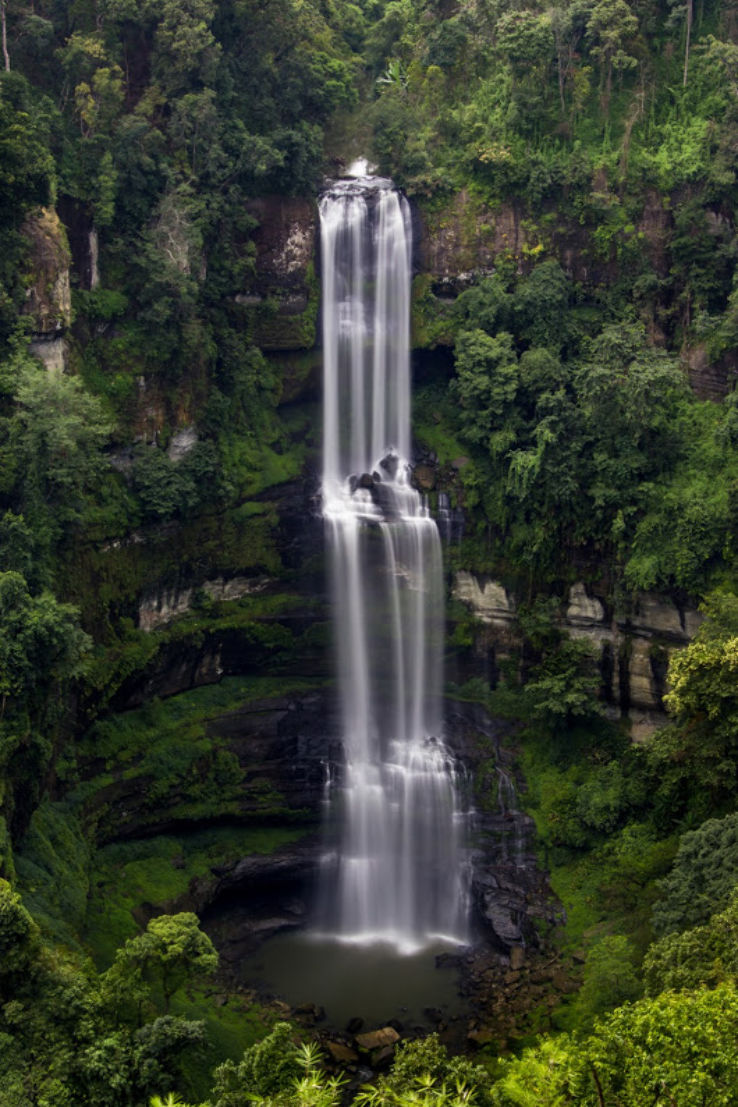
[[572, 170]]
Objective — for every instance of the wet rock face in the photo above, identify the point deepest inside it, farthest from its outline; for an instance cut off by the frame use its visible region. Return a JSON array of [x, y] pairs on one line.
[[634, 641], [285, 240], [49, 297], [258, 897], [162, 606], [289, 744], [490, 601], [461, 242], [281, 299], [282, 746], [511, 900]]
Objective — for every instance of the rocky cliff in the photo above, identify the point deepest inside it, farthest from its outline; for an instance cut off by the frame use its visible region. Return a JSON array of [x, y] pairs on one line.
[[223, 714], [633, 641], [49, 299]]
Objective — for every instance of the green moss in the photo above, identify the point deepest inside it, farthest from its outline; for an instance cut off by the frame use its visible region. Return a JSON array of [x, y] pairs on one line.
[[252, 465], [52, 863], [299, 372], [254, 620], [231, 1027], [131, 881], [180, 770], [273, 328], [432, 319], [431, 424], [106, 577]]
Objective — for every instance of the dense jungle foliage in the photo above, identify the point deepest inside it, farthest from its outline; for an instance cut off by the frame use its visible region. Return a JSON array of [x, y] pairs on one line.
[[559, 405]]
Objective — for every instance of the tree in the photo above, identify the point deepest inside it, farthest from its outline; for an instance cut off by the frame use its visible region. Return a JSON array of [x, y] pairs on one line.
[[539, 305], [170, 1100], [159, 1046], [568, 24], [27, 179], [678, 1048], [16, 545], [57, 432], [267, 1068], [486, 385], [609, 976], [700, 748], [4, 36], [423, 1068], [524, 38], [41, 642], [538, 1078], [609, 27], [703, 875], [687, 38], [171, 952], [563, 687], [701, 957], [187, 53], [19, 938]]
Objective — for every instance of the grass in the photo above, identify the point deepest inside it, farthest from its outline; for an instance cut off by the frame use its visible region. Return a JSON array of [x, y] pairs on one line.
[[52, 865], [183, 774]]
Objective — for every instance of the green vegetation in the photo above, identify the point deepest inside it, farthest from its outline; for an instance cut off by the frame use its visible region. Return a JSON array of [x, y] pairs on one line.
[[581, 443], [577, 163], [158, 871]]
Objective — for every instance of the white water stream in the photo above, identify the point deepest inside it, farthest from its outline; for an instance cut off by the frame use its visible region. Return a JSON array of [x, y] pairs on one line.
[[400, 875]]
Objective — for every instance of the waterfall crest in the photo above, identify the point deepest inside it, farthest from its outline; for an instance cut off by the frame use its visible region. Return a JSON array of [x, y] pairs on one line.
[[400, 876]]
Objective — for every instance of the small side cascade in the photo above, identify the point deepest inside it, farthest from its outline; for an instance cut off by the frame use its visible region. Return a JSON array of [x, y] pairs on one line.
[[450, 520], [513, 832], [400, 874]]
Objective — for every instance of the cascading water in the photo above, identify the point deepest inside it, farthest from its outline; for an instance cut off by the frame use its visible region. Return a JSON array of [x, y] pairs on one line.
[[400, 874]]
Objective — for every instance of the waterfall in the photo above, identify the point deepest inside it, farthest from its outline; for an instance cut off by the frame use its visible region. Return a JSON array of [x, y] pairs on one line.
[[399, 875]]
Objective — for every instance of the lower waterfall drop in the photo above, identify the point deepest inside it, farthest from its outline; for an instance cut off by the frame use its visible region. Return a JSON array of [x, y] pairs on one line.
[[400, 873]]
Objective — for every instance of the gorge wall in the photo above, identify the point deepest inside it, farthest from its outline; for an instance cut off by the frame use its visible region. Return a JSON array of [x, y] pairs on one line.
[[235, 600]]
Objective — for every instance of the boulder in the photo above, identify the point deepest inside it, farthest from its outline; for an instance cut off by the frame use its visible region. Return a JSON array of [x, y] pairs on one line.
[[309, 1012], [583, 609], [377, 1039], [49, 297], [489, 601], [341, 1053], [382, 1058]]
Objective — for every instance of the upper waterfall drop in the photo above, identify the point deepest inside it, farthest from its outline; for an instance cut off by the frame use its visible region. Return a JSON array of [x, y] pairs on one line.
[[401, 875], [365, 238]]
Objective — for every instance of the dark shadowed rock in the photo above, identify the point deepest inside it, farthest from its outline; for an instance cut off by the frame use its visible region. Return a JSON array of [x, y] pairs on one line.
[[340, 1052], [383, 1058]]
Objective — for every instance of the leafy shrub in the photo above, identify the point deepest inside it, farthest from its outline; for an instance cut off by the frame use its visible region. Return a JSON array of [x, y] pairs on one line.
[[703, 956], [704, 873]]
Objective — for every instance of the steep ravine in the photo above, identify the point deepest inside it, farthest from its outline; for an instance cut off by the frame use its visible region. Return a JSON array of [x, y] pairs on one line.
[[222, 727]]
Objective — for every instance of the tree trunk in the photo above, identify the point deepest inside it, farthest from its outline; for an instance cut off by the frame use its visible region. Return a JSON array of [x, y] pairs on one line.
[[561, 82], [608, 86], [600, 1096], [690, 12], [4, 34]]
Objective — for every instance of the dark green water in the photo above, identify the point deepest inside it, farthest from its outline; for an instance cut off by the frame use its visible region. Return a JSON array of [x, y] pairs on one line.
[[372, 982]]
